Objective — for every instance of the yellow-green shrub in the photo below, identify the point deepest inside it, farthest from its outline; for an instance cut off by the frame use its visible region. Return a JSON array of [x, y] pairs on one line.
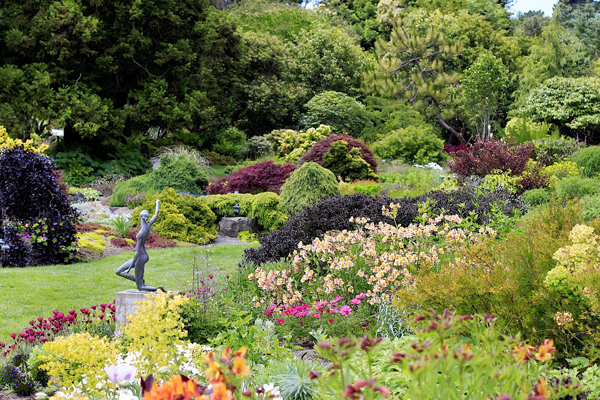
[[155, 331], [291, 145], [7, 142], [561, 170], [497, 178], [78, 360], [91, 242], [262, 207], [181, 217]]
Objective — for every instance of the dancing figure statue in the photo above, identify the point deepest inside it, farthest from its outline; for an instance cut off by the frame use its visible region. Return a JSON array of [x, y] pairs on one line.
[[139, 260]]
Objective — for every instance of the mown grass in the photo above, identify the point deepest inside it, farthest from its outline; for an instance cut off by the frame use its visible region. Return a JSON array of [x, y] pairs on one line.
[[32, 292]]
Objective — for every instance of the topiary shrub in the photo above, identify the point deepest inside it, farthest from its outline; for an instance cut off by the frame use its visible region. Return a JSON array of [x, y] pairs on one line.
[[181, 217], [307, 186], [32, 202], [264, 176], [576, 187], [414, 145], [333, 213], [483, 157], [536, 197], [316, 153], [347, 163], [588, 159], [181, 174]]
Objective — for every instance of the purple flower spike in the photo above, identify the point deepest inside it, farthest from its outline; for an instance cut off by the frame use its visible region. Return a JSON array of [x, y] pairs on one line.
[[121, 372]]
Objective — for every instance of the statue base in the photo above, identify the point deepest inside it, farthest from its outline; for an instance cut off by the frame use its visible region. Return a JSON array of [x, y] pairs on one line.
[[124, 303]]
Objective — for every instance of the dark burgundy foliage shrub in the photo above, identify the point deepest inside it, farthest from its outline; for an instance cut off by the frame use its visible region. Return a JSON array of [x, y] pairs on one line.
[[319, 149], [154, 241], [451, 149], [30, 194], [483, 157], [19, 254], [120, 242], [334, 213], [533, 178], [256, 178]]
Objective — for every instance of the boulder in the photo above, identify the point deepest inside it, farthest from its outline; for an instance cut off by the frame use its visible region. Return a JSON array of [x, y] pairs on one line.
[[232, 226]]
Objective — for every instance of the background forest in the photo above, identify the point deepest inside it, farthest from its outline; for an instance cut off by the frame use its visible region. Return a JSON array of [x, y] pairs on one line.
[[212, 74]]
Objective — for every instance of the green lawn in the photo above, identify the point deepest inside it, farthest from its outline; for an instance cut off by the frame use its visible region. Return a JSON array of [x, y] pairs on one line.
[[28, 293]]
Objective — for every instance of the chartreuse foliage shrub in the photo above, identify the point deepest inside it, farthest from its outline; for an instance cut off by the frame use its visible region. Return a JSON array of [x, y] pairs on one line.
[[262, 207], [506, 277], [519, 130], [91, 243], [77, 360], [589, 159], [180, 173], [414, 145], [264, 176], [291, 145], [181, 217], [576, 187], [347, 163], [9, 143], [560, 170], [555, 150], [306, 186]]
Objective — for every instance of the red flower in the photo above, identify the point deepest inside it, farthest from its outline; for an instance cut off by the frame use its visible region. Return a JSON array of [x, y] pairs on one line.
[[280, 321]]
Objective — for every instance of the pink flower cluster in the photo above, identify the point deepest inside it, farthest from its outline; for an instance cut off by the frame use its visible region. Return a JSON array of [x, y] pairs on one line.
[[318, 309], [42, 329]]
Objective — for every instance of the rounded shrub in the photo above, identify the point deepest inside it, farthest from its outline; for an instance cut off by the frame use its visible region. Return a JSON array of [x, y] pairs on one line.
[[307, 186], [347, 163], [576, 187], [181, 217], [181, 174], [414, 145], [319, 149], [588, 159], [536, 197], [555, 150], [138, 184]]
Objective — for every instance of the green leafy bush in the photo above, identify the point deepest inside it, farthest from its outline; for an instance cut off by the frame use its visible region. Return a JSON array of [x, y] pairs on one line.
[[231, 142], [347, 162], [181, 174], [588, 159], [262, 207], [338, 110], [257, 146], [130, 187], [536, 197], [307, 186], [576, 187], [555, 150], [89, 194], [591, 207], [293, 144], [181, 217], [414, 144], [519, 130]]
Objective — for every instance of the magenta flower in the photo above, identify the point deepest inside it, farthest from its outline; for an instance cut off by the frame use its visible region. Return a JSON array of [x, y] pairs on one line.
[[121, 372], [355, 301], [345, 310], [280, 321]]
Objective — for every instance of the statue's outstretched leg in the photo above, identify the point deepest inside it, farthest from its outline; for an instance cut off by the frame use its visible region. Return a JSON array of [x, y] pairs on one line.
[[124, 269]]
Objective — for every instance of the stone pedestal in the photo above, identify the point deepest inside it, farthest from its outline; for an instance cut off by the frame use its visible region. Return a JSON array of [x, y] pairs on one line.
[[232, 226], [124, 303]]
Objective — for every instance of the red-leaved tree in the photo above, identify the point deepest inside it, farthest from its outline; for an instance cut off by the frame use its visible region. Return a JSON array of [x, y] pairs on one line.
[[256, 178]]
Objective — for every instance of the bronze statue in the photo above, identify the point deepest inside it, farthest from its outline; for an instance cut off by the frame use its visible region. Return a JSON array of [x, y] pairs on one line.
[[139, 260]]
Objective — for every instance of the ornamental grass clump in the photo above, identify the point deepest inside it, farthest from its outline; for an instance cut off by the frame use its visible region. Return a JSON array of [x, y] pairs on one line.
[[375, 259]]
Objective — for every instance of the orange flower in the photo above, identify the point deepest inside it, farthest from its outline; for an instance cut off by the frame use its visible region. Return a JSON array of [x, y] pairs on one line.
[[523, 352], [213, 372], [177, 388], [545, 351], [240, 368], [220, 392]]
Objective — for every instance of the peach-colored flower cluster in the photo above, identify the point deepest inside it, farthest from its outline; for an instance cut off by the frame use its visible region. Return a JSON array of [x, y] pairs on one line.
[[375, 259]]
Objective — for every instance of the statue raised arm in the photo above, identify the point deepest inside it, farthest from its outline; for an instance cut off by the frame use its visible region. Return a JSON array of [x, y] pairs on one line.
[[139, 260]]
